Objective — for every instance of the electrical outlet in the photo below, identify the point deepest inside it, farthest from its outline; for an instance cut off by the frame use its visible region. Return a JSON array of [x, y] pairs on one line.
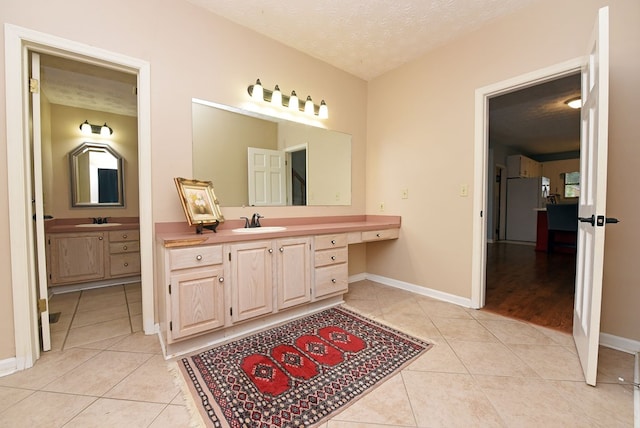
[[338, 196], [464, 190], [381, 206], [405, 193]]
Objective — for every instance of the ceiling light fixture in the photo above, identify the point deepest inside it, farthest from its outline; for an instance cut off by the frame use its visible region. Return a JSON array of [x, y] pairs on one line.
[[276, 98], [87, 129], [575, 102]]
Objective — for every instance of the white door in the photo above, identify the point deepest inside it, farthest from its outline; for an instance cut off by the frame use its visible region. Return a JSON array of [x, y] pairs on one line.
[[267, 177], [593, 187], [38, 206]]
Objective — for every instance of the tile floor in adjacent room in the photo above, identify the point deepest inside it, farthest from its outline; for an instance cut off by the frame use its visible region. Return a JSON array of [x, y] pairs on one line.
[[484, 370]]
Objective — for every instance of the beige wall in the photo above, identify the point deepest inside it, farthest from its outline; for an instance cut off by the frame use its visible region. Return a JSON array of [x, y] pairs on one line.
[[66, 136], [421, 135], [192, 54]]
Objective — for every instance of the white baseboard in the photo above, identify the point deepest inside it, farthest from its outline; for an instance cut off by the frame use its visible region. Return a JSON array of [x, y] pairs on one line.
[[8, 366], [619, 343], [608, 340], [423, 291]]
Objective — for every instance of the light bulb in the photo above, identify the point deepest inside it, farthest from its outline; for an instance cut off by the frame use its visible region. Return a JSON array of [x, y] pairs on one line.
[[85, 128], [276, 97], [323, 112], [257, 94], [308, 106], [293, 101], [105, 131]]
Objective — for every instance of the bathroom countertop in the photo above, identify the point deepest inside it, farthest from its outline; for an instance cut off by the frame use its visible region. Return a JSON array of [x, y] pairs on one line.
[[180, 235], [66, 225]]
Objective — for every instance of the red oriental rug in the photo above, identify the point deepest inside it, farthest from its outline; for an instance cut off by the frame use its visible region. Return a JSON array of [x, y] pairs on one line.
[[298, 374]]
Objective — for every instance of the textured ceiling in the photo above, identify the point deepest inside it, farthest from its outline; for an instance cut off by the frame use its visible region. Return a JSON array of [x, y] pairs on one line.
[[363, 37]]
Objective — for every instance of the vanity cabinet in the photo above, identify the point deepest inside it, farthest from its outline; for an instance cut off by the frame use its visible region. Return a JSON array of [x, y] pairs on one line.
[[124, 253], [196, 290], [251, 279], [76, 257], [293, 271], [79, 257], [330, 265]]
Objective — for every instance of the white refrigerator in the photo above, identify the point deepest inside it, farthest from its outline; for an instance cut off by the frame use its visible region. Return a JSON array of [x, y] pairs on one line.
[[524, 197]]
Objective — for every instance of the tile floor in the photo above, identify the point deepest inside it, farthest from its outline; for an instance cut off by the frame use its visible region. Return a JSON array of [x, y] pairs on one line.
[[484, 370]]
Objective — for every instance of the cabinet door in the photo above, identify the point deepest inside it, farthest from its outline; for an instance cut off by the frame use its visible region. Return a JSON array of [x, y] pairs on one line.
[[251, 268], [293, 271], [76, 257], [197, 301]]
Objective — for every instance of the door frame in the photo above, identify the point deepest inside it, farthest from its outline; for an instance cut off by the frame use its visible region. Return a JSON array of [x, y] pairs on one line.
[[481, 158], [18, 41]]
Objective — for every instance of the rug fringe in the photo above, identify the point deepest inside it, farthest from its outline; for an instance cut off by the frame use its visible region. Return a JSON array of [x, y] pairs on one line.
[[196, 419]]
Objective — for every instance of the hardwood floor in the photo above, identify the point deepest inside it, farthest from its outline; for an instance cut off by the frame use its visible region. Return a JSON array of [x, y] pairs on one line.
[[530, 285]]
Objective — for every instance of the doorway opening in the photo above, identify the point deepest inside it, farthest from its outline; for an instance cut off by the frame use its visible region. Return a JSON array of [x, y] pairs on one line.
[[18, 43], [534, 140], [297, 175]]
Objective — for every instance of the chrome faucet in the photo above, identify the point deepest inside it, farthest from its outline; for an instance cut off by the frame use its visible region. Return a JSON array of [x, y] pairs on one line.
[[255, 220], [246, 222]]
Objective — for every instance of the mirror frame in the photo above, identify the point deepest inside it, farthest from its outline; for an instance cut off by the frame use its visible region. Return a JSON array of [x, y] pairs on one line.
[[74, 175]]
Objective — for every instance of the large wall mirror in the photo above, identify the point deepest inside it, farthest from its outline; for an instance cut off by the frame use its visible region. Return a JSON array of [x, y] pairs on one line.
[[96, 172], [257, 160]]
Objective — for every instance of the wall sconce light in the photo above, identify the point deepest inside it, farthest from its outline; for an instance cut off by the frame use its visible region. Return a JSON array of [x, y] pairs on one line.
[[276, 98], [575, 102], [87, 129]]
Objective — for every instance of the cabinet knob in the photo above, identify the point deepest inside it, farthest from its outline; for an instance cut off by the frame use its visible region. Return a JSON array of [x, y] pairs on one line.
[[100, 238], [124, 247], [270, 250], [125, 236], [333, 280], [198, 257], [221, 279], [333, 257], [333, 241], [378, 235], [282, 249], [126, 265]]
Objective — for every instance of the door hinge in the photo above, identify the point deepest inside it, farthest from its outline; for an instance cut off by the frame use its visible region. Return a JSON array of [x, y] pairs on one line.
[[34, 86], [170, 325], [42, 305], [169, 288], [229, 256], [231, 311]]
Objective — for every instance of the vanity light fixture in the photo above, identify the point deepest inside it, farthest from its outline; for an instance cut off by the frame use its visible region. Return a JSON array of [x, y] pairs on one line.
[[575, 102], [88, 128], [259, 94]]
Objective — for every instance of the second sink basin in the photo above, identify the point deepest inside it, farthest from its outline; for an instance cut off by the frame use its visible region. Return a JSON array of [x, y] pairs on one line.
[[97, 224], [263, 229]]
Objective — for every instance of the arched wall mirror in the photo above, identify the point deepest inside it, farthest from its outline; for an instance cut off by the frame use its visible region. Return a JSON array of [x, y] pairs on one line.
[[96, 172]]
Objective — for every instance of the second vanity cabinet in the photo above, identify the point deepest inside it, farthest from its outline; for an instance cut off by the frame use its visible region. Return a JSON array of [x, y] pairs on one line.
[[79, 257]]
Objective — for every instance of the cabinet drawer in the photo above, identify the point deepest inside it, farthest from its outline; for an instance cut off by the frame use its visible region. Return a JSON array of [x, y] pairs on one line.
[[124, 247], [331, 256], [378, 235], [323, 242], [331, 279], [125, 264], [124, 235], [184, 258]]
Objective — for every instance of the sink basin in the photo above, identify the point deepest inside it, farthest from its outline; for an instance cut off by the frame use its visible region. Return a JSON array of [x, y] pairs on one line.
[[97, 225], [263, 229]]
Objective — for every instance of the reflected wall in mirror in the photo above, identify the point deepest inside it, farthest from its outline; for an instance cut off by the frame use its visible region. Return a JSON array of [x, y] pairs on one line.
[[259, 160], [96, 172]]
